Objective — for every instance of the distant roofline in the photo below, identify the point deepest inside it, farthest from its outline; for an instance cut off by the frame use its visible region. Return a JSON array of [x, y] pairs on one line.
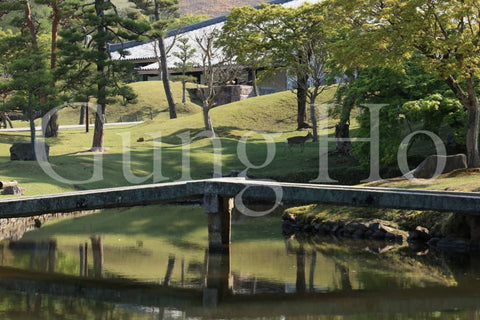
[[209, 22], [202, 24]]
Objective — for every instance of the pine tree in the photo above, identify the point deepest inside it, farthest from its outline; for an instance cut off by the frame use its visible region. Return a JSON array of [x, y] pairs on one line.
[[30, 78], [185, 53], [88, 46], [61, 12]]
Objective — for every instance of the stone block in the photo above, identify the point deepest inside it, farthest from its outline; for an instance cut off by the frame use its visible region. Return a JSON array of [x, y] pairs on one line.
[[426, 169], [22, 151], [13, 190]]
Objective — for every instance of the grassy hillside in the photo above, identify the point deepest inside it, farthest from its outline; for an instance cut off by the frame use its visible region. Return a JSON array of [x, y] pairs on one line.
[[256, 121], [150, 104], [273, 117]]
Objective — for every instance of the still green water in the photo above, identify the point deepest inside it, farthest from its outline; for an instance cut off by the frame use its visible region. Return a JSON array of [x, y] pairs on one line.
[[106, 266]]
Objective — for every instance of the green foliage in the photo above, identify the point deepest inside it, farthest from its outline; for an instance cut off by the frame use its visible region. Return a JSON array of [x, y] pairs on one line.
[[414, 101], [441, 35], [128, 95], [274, 36], [184, 55], [186, 20], [83, 46], [28, 79], [159, 12]]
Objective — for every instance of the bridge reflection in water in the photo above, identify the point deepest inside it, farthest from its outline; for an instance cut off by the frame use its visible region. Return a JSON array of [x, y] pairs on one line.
[[219, 298]]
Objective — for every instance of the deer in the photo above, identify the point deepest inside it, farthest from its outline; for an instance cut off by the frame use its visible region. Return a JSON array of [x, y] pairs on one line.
[[300, 140]]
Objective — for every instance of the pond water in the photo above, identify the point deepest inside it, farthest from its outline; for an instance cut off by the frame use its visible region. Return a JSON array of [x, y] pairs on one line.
[[153, 263]]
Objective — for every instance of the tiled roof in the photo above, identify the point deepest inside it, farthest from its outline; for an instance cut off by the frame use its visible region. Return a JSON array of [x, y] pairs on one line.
[[146, 51], [149, 67]]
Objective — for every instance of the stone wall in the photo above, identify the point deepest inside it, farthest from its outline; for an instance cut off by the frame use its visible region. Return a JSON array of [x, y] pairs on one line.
[[14, 228], [231, 93]]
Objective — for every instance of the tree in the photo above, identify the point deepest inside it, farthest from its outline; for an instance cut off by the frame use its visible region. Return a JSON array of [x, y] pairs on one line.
[[75, 72], [281, 38], [101, 25], [185, 54], [413, 100], [61, 12], [443, 35], [30, 79], [308, 37], [162, 11], [218, 70]]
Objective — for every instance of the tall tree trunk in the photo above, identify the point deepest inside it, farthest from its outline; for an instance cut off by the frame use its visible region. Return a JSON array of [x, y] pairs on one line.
[[97, 144], [302, 87], [472, 135], [55, 24], [82, 114], [87, 117], [470, 102], [473, 124], [184, 90], [254, 82], [168, 273], [31, 118], [98, 131], [33, 139], [313, 116], [31, 114], [165, 80], [342, 128], [207, 120], [51, 128], [31, 24]]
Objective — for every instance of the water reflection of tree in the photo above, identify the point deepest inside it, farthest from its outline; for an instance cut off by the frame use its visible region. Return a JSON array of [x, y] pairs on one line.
[[34, 306], [375, 264], [97, 250], [168, 273]]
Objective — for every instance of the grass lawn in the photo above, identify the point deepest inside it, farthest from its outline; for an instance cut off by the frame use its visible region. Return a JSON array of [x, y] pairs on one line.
[[243, 129], [259, 120], [251, 135]]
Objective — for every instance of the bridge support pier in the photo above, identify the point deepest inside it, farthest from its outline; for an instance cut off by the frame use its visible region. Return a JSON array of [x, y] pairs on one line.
[[218, 282], [219, 212]]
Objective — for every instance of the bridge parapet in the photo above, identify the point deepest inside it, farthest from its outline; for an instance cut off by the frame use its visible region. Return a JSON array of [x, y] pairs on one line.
[[138, 195]]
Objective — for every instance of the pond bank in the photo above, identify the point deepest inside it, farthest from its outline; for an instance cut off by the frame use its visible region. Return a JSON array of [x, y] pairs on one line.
[[15, 228], [449, 231], [439, 230]]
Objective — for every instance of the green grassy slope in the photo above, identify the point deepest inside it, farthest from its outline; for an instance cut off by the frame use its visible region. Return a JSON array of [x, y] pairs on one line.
[[70, 157], [254, 121]]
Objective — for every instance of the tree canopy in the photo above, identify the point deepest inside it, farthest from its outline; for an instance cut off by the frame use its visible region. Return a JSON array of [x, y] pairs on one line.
[[275, 37], [443, 36], [85, 45]]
